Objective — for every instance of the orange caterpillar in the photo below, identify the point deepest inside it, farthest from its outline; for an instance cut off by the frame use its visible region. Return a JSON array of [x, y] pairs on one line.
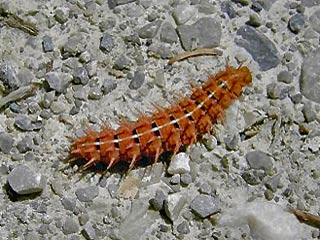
[[168, 129]]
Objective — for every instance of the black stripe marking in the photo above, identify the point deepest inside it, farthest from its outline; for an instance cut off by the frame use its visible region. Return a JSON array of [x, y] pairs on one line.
[[176, 124], [136, 139], [186, 113], [155, 126], [116, 144], [97, 140]]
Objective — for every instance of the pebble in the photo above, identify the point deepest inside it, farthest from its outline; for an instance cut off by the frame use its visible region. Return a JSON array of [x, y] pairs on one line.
[[182, 13], [80, 75], [205, 33], [106, 43], [205, 188], [57, 187], [89, 233], [259, 160], [23, 180], [186, 179], [277, 91], [308, 113], [168, 34], [60, 16], [6, 142], [273, 183], [175, 179], [257, 44], [8, 77], [268, 194], [108, 86], [74, 46], [204, 205], [254, 20], [87, 194], [314, 21], [95, 93], [183, 228], [296, 23], [228, 8], [68, 203], [250, 178], [25, 123], [25, 145], [47, 44], [114, 3], [57, 82], [83, 218], [149, 30], [70, 226], [158, 200], [121, 63], [173, 205], [137, 80], [179, 164], [310, 76], [285, 76]]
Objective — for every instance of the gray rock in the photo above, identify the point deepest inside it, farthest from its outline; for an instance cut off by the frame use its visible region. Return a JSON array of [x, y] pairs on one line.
[[137, 80], [186, 179], [74, 46], [106, 43], [47, 44], [57, 82], [228, 8], [95, 93], [159, 79], [310, 76], [182, 13], [168, 33], [173, 205], [277, 91], [25, 145], [89, 233], [204, 205], [107, 24], [266, 4], [158, 200], [314, 21], [6, 142], [250, 178], [273, 183], [83, 218], [175, 179], [206, 32], [231, 141], [259, 160], [308, 3], [254, 20], [108, 86], [23, 180], [179, 164], [183, 228], [70, 226], [205, 188], [149, 30], [68, 203], [60, 16], [24, 123], [8, 77], [57, 187], [308, 113], [285, 76], [80, 75], [262, 50], [296, 23], [114, 3], [87, 194], [121, 63]]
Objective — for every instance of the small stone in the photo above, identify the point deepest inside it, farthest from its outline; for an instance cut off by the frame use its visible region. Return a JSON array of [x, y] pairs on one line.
[[83, 218], [205, 188], [70, 226], [108, 86], [296, 23], [243, 2], [168, 33], [179, 164], [121, 63], [277, 91], [74, 46], [273, 183], [137, 80], [80, 75], [254, 20], [204, 205], [173, 205], [23, 180], [182, 13], [308, 112], [85, 57], [6, 142], [69, 203], [57, 187], [60, 16], [25, 145], [158, 201], [149, 30], [87, 194], [285, 76], [175, 179], [23, 122], [159, 79], [8, 77], [89, 233], [106, 43], [268, 194], [95, 93], [228, 8], [183, 228], [186, 179], [57, 82], [114, 3], [259, 160], [47, 44], [232, 141], [250, 178]]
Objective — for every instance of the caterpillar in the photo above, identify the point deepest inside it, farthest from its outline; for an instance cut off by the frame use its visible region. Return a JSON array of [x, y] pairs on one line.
[[168, 129]]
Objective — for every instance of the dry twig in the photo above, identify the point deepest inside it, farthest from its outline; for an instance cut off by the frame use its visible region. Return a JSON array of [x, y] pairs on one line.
[[194, 53]]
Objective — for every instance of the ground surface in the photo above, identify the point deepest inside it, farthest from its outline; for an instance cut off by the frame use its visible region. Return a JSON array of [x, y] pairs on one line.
[[99, 60]]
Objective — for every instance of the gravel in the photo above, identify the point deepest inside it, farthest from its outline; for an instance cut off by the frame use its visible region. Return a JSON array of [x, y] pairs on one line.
[[91, 64]]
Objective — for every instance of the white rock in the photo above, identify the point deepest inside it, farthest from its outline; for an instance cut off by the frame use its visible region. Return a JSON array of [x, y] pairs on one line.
[[173, 205], [266, 221], [179, 164]]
